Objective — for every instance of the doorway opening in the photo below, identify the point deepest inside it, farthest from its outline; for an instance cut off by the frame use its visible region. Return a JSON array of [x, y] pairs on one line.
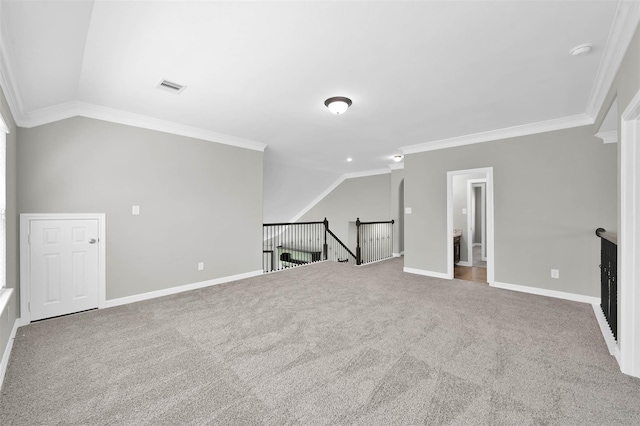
[[470, 225]]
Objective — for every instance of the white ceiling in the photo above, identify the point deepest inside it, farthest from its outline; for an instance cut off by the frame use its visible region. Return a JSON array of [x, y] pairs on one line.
[[258, 73]]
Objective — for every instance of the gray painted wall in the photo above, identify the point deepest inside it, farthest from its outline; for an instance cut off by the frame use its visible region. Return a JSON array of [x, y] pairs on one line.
[[8, 318], [199, 201], [551, 191], [367, 198]]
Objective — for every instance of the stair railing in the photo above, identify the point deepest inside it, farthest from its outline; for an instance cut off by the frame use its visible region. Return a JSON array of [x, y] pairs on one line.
[[338, 251], [291, 244], [609, 278], [287, 245], [374, 241]]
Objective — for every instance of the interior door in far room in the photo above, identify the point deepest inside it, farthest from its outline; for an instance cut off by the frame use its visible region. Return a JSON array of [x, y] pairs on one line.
[[476, 219], [63, 267]]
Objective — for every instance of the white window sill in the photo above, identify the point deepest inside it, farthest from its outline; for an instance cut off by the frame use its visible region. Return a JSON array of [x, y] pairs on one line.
[[5, 296]]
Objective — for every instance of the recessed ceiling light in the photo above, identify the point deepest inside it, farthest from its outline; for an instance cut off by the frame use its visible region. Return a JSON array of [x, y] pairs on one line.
[[397, 158], [581, 50], [349, 159], [338, 104]]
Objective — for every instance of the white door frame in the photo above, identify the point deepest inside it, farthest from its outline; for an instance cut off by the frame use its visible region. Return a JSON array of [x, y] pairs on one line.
[[471, 207], [488, 172], [25, 259], [629, 240]]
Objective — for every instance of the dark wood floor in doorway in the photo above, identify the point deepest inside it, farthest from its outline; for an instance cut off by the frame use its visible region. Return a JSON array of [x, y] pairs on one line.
[[470, 273]]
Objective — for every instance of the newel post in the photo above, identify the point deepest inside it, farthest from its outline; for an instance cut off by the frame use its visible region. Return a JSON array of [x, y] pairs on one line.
[[325, 247], [358, 257]]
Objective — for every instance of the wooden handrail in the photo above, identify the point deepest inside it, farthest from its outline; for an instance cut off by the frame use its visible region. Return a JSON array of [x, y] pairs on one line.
[[609, 236], [373, 223], [293, 223]]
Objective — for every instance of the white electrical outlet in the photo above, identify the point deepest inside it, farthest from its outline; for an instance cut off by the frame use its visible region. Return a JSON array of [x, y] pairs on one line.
[[555, 273], [135, 210], [201, 266], [407, 210]]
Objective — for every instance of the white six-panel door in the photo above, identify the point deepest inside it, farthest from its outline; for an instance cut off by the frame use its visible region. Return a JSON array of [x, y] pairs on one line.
[[63, 272]]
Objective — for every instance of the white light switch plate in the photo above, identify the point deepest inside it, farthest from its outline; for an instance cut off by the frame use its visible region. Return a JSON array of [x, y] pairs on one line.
[[407, 210], [201, 266], [135, 210], [555, 273]]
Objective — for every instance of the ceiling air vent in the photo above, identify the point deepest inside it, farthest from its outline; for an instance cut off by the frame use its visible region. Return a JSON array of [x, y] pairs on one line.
[[170, 86]]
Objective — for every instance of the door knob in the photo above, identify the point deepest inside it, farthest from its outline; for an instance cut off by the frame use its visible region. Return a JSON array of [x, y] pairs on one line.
[[92, 241]]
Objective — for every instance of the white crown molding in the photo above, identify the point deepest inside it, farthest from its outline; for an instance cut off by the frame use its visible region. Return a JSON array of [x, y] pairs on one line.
[[7, 79], [623, 28], [319, 198], [367, 173], [48, 115], [396, 166], [608, 137], [334, 185], [507, 132], [82, 109]]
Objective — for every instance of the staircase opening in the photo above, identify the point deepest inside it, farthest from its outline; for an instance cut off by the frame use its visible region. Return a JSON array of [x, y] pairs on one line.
[[288, 245]]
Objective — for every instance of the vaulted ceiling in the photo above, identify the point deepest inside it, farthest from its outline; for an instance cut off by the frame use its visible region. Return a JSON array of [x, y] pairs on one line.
[[257, 73]]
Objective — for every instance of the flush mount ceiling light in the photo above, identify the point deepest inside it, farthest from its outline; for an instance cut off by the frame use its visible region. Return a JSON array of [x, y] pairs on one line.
[[349, 159], [338, 104], [581, 50], [397, 158]]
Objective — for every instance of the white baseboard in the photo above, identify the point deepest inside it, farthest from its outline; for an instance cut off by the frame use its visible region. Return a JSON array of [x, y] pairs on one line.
[[464, 263], [426, 273], [7, 351], [397, 254], [549, 293], [375, 261], [614, 350], [180, 289]]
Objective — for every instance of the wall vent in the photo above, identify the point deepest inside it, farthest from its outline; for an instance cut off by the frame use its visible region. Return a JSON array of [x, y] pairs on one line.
[[170, 86]]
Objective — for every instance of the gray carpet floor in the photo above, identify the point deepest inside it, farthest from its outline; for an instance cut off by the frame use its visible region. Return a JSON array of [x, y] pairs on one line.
[[325, 344]]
